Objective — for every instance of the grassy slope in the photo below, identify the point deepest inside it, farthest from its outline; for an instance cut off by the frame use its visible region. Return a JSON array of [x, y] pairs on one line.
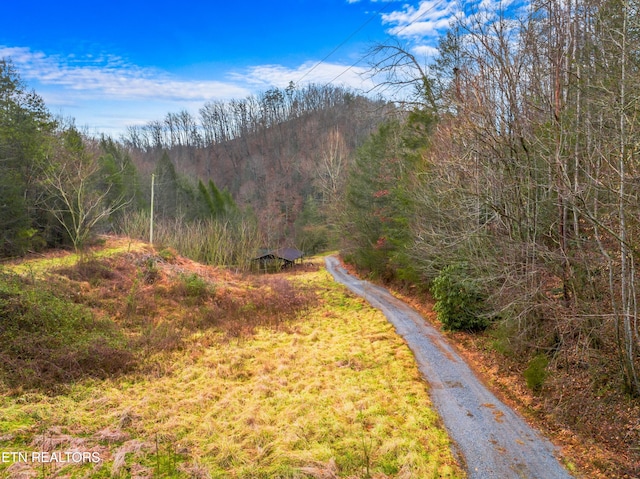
[[328, 392]]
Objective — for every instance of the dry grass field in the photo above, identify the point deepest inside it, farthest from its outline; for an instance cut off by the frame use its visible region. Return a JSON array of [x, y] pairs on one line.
[[155, 366]]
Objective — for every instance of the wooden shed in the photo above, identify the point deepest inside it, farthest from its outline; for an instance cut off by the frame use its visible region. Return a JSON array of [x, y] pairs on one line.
[[279, 258]]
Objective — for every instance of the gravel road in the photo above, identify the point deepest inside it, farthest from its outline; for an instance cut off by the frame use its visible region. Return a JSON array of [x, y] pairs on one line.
[[492, 440]]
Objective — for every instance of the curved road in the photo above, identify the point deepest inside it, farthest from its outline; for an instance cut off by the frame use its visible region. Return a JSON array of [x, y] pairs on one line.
[[492, 439]]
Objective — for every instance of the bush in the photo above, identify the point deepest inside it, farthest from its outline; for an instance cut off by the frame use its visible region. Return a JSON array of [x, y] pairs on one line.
[[168, 254], [459, 301], [91, 270], [194, 287], [47, 341], [150, 272], [536, 372]]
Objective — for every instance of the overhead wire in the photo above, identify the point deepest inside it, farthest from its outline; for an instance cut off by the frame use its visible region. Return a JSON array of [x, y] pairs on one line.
[[375, 15], [422, 15]]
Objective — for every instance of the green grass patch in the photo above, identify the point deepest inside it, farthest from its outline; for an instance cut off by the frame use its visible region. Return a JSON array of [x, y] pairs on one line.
[[34, 267]]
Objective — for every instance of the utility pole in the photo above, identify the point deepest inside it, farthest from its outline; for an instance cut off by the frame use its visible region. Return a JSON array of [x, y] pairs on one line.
[[151, 216]]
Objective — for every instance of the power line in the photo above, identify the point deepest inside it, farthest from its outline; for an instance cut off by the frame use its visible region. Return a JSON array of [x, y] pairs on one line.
[[420, 16], [345, 41], [436, 5]]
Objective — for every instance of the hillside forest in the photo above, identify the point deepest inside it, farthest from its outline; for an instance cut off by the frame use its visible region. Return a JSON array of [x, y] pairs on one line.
[[504, 184]]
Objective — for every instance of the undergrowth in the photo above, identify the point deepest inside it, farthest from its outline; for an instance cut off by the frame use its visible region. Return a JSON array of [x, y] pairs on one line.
[[47, 341]]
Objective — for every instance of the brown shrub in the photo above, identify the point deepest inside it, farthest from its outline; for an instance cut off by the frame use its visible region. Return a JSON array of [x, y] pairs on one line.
[[91, 270], [267, 302]]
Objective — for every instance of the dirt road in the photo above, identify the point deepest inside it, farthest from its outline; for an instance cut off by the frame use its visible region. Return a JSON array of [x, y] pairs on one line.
[[492, 440]]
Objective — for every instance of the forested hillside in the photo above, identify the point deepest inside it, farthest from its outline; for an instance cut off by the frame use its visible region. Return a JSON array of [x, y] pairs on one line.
[[522, 190], [281, 153], [258, 172]]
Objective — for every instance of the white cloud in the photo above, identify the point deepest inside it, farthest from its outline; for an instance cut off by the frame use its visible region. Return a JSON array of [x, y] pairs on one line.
[[266, 76], [420, 27], [426, 51], [69, 80], [111, 76], [106, 93], [430, 19]]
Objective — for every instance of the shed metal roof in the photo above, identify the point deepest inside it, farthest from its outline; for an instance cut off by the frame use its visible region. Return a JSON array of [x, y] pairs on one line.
[[290, 254], [287, 254]]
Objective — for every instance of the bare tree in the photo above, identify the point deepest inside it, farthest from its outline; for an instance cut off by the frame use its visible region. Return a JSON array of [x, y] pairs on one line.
[[78, 197], [332, 166], [400, 71]]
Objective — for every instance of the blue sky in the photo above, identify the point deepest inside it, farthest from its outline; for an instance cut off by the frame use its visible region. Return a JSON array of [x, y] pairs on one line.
[[118, 63]]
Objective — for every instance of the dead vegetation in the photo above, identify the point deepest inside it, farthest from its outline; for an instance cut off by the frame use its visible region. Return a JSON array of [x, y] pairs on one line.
[[231, 376], [105, 316]]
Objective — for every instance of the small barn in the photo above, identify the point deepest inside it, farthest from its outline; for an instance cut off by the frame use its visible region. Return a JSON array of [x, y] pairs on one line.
[[279, 258]]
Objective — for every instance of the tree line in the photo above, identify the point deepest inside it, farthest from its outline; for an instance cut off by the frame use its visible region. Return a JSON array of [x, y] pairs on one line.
[[283, 153], [59, 187], [263, 169], [512, 188], [219, 121], [55, 187]]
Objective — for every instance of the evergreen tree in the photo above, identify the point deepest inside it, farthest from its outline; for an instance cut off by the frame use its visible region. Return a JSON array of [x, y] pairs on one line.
[[25, 127], [119, 172], [217, 204], [371, 213], [312, 233], [166, 188]]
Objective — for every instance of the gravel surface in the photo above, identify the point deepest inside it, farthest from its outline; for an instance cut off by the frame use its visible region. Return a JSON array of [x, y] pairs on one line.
[[490, 438]]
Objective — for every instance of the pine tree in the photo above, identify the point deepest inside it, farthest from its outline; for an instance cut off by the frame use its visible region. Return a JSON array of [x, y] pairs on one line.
[[25, 127]]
